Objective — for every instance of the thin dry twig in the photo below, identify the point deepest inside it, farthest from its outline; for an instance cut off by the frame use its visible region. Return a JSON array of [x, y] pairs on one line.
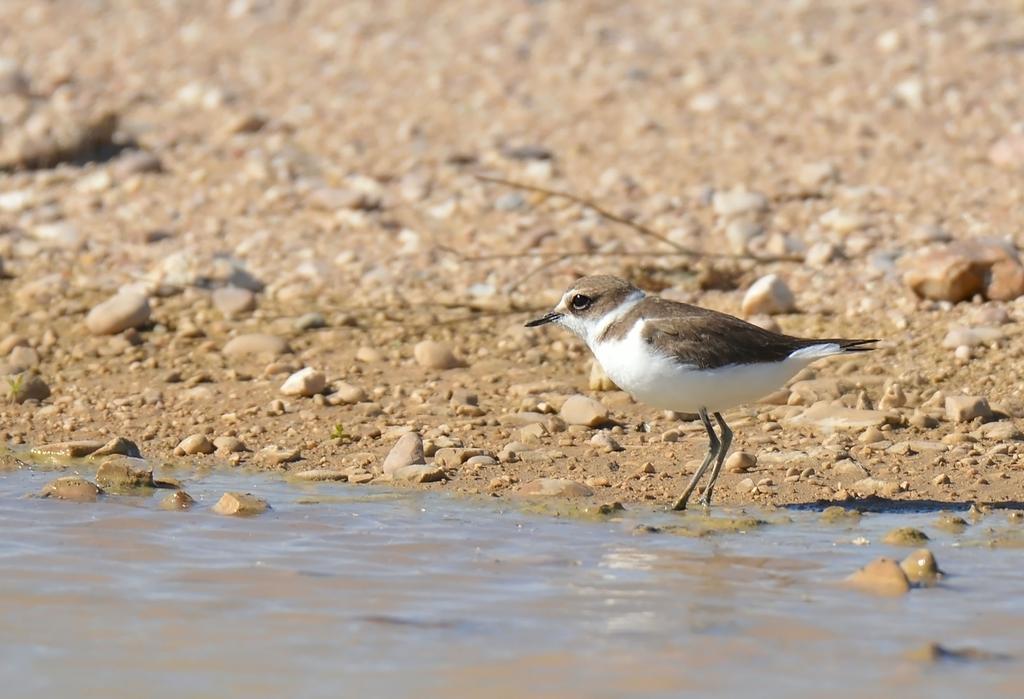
[[414, 319], [557, 258], [537, 255], [681, 250], [603, 212], [537, 270]]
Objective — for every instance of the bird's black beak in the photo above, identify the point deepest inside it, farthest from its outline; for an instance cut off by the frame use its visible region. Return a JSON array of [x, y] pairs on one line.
[[544, 320]]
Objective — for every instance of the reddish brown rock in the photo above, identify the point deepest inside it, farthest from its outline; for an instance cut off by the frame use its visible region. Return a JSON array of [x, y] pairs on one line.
[[1005, 281], [943, 275], [959, 270]]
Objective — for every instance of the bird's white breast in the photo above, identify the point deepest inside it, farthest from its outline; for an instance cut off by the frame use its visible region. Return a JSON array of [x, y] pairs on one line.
[[663, 382]]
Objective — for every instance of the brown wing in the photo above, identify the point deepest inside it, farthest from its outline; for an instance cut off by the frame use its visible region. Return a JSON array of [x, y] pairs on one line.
[[708, 339]]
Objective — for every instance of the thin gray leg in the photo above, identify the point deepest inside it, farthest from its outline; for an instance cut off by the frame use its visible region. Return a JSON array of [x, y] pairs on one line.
[[719, 460], [713, 445]]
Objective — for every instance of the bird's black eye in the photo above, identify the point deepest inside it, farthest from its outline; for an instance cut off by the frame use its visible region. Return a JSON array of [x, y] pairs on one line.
[[580, 302]]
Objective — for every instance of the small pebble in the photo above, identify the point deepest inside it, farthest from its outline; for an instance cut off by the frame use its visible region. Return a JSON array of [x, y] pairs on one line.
[[583, 410], [768, 295], [24, 387], [255, 344], [118, 313], [178, 500], [737, 202], [407, 451], [369, 355], [194, 444], [883, 576], [229, 445], [121, 473], [233, 301], [240, 505], [435, 355], [921, 568], [604, 442], [740, 462], [274, 455], [73, 488], [967, 408], [346, 394], [305, 383], [311, 321]]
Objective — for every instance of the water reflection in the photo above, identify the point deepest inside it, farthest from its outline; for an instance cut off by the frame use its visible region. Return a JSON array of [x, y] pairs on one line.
[[341, 591]]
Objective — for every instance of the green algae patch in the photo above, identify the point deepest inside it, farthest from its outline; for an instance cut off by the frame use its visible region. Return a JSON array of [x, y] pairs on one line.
[[905, 536], [72, 488], [125, 475], [839, 516], [700, 527], [951, 524], [568, 509]]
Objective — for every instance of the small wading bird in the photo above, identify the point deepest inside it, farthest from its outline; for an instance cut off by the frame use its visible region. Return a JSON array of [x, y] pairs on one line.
[[675, 356]]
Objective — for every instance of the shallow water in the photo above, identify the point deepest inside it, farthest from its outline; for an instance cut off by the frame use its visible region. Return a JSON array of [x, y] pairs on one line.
[[349, 591]]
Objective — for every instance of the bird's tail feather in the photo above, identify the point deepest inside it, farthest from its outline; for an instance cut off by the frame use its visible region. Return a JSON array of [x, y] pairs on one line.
[[828, 347], [854, 345]]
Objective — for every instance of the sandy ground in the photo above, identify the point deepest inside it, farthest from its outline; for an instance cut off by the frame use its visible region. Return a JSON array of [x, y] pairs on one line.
[[323, 157]]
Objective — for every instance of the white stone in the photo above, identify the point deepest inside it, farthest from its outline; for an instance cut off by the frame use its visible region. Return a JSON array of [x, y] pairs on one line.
[[813, 176], [737, 202], [16, 200], [232, 300], [842, 221], [740, 232], [407, 451], [305, 382], [61, 234], [118, 313], [820, 254], [971, 337], [768, 295], [967, 408]]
